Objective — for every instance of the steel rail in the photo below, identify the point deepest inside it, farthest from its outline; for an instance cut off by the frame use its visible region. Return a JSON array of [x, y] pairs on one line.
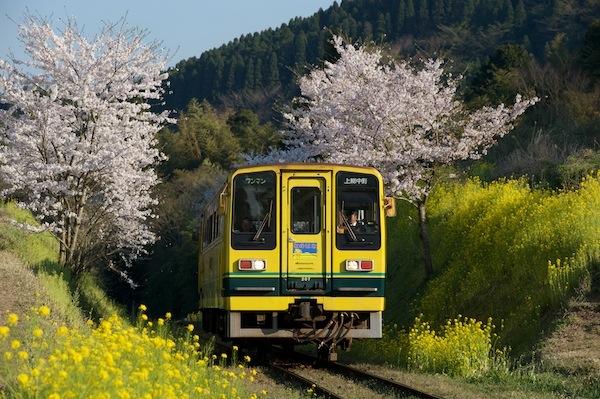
[[316, 388], [364, 375]]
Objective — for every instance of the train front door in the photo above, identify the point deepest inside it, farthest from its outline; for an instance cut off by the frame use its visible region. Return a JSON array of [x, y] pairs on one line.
[[306, 242]]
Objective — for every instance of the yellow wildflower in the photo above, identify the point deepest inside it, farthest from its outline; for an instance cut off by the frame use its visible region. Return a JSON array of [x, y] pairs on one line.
[[161, 322], [190, 327], [12, 319], [15, 344], [168, 315], [224, 355], [62, 331], [23, 379], [44, 311], [142, 307], [144, 317], [247, 358], [23, 355], [54, 396], [150, 324], [8, 355], [4, 331], [37, 332]]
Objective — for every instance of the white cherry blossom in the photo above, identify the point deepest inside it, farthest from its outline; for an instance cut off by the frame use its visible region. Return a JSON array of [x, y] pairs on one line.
[[77, 142]]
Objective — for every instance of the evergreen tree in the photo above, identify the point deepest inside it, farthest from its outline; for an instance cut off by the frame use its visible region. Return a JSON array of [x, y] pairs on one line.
[[400, 18], [520, 15], [438, 12], [300, 48], [249, 76], [380, 28], [509, 13], [273, 70], [230, 77], [258, 73], [410, 20], [367, 32], [468, 10], [423, 16]]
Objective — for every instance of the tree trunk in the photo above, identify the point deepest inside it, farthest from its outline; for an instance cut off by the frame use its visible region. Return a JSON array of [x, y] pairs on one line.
[[424, 234]]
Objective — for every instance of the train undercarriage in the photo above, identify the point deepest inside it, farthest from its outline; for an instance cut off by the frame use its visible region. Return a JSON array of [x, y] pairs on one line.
[[305, 322]]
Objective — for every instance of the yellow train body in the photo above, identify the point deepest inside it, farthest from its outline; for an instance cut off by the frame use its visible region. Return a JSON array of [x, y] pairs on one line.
[[290, 251]]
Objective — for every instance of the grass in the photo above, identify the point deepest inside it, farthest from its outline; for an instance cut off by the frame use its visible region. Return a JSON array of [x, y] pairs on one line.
[[72, 298]]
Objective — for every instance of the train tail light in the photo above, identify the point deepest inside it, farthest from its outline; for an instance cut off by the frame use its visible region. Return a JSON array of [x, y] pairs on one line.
[[355, 265], [366, 265], [251, 264]]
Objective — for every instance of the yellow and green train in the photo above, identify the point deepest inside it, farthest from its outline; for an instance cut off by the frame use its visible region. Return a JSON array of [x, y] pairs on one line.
[[296, 253]]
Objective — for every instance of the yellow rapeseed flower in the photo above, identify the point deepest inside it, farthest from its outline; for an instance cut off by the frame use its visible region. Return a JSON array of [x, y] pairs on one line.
[[190, 327], [4, 331], [247, 358], [8, 355], [144, 316], [37, 332], [150, 324], [12, 319], [15, 344], [224, 355], [23, 355], [62, 331], [54, 395], [142, 307], [168, 315], [44, 311], [23, 379], [160, 322]]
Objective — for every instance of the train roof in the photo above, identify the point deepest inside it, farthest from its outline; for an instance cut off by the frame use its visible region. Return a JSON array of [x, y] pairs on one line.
[[304, 165]]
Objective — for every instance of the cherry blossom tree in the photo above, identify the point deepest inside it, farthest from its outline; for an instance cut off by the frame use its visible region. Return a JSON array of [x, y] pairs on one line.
[[405, 121], [77, 142]]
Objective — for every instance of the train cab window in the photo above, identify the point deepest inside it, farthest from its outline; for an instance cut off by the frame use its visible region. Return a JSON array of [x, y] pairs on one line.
[[357, 213], [253, 224], [306, 210]]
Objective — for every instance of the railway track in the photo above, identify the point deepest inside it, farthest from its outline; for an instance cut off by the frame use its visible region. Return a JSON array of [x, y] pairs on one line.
[[358, 374], [285, 364]]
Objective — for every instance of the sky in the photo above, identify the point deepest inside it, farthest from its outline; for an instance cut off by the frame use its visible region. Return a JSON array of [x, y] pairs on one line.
[[185, 27]]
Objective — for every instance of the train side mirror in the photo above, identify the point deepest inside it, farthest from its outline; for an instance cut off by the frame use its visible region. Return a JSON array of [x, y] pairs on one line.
[[389, 205], [223, 201]]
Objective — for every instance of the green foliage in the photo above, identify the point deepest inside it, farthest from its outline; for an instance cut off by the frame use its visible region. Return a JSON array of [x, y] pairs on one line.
[[253, 136], [168, 278], [505, 251], [205, 135]]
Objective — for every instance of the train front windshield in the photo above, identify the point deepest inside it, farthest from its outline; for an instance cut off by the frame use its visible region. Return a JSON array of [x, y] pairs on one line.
[[358, 215], [253, 224]]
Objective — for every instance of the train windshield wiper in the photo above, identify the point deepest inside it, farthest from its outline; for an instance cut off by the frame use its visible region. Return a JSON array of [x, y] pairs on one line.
[[349, 229], [266, 221]]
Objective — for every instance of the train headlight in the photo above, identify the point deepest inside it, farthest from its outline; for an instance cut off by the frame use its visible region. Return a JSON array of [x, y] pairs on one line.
[[352, 265], [259, 265], [251, 264], [359, 265]]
